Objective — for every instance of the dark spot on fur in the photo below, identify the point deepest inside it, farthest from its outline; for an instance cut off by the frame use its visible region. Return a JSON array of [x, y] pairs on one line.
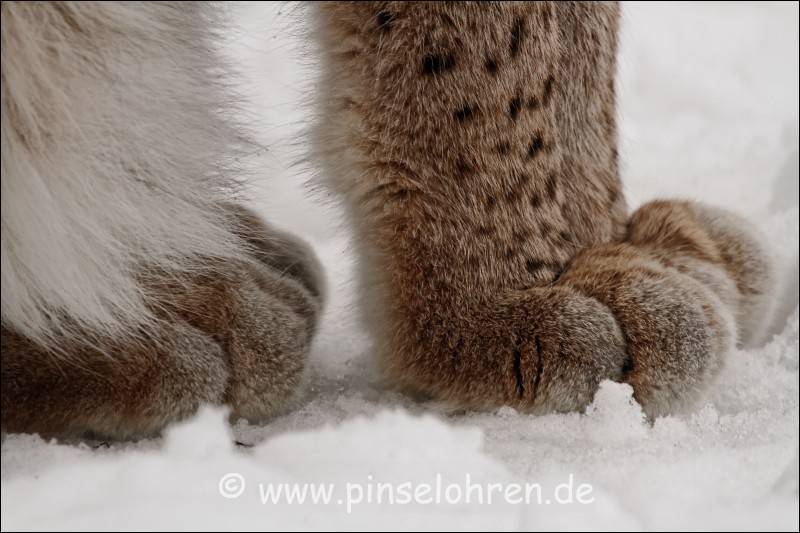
[[520, 236], [551, 186], [503, 148], [534, 265], [536, 200], [532, 103], [536, 146], [518, 179], [548, 90], [546, 228], [518, 371], [466, 112], [464, 168], [491, 65], [491, 202], [437, 63], [448, 21], [537, 378], [484, 231], [385, 20], [514, 106], [517, 35]]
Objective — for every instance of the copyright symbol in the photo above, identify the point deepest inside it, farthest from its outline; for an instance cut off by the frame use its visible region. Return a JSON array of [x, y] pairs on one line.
[[231, 485]]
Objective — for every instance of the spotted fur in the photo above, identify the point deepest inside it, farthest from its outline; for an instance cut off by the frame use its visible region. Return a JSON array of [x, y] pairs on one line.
[[475, 148]]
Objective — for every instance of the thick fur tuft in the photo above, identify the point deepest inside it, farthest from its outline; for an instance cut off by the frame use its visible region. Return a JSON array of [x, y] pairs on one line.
[[116, 155]]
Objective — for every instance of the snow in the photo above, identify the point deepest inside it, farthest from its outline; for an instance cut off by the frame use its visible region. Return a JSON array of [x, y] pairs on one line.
[[708, 110]]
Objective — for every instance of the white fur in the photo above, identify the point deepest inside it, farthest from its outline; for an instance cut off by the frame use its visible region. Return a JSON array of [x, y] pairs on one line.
[[115, 156]]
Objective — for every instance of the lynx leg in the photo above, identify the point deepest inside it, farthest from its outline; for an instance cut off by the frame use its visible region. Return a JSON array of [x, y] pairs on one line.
[[475, 146]]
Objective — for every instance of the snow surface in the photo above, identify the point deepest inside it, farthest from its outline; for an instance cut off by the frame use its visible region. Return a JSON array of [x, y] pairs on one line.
[[708, 110]]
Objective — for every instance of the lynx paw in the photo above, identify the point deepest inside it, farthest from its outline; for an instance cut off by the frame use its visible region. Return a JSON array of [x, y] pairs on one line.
[[234, 332], [677, 330], [718, 248]]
